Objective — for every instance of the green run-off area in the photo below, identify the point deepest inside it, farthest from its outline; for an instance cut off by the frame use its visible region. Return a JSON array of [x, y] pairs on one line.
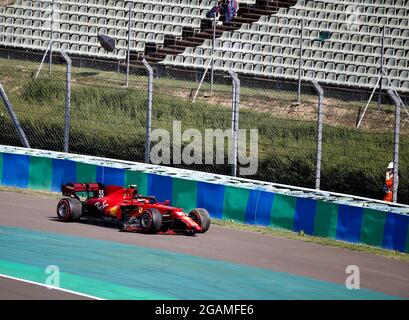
[[117, 271]]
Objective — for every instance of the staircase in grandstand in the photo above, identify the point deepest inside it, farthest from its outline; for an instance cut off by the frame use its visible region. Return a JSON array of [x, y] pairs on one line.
[[247, 13]]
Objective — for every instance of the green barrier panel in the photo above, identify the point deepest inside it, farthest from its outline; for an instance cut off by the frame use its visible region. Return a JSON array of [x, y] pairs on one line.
[[326, 218], [373, 222], [40, 173], [86, 172], [184, 193], [1, 167], [138, 178], [282, 213], [112, 270], [76, 283], [235, 203]]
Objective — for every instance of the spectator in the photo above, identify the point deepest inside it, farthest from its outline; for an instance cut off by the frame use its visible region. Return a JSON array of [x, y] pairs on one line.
[[213, 12], [216, 11], [226, 10], [235, 8], [388, 187]]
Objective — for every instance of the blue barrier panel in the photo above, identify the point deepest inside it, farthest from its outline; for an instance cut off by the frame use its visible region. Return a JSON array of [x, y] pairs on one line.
[[110, 176], [304, 216], [395, 231], [262, 215], [64, 171], [15, 170], [250, 215], [211, 197], [349, 223], [160, 186], [407, 241]]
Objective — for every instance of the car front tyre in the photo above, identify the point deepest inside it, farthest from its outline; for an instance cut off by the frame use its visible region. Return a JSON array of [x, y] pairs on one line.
[[201, 217]]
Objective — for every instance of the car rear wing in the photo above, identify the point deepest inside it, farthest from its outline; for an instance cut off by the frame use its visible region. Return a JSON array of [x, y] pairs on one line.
[[83, 190]]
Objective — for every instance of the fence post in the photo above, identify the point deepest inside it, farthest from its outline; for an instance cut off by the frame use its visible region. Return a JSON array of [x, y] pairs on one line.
[[382, 70], [129, 45], [148, 111], [201, 81], [51, 38], [67, 117], [235, 119], [212, 60], [300, 61], [320, 120], [14, 118], [396, 134]]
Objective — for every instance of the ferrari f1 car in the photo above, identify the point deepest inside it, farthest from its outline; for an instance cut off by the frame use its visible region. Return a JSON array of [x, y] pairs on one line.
[[128, 209]]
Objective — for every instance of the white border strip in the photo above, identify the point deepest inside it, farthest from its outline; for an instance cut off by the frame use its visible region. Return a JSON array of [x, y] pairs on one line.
[[51, 287]]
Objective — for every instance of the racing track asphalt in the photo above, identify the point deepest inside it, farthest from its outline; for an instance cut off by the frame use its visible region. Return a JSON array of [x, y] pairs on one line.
[[12, 289], [285, 255]]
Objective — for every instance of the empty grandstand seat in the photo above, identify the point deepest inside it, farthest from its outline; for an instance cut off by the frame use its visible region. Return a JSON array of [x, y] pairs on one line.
[[355, 44]]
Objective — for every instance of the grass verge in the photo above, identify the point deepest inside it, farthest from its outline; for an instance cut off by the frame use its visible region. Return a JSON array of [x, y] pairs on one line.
[[109, 121], [280, 233]]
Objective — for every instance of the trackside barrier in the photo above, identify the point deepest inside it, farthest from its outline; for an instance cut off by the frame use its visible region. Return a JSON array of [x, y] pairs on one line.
[[319, 213]]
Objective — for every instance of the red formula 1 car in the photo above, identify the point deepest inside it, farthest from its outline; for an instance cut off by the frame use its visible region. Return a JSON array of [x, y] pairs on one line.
[[127, 208]]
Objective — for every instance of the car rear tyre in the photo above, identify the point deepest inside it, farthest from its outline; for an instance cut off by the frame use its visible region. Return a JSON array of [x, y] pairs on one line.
[[151, 221], [201, 217], [69, 209], [125, 221]]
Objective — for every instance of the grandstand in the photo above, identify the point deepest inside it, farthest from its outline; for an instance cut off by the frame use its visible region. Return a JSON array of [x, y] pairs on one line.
[[263, 40]]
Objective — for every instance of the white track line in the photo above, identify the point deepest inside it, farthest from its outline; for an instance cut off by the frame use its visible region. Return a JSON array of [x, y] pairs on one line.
[[51, 287]]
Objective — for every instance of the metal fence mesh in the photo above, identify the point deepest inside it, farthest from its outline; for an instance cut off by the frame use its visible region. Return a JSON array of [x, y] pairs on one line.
[[109, 120], [356, 157], [175, 99]]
